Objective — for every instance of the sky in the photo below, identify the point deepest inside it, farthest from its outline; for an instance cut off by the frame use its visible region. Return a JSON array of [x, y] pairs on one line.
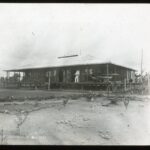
[[36, 34]]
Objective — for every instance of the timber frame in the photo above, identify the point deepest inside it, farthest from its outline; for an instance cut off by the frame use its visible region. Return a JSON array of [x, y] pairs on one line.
[[92, 76]]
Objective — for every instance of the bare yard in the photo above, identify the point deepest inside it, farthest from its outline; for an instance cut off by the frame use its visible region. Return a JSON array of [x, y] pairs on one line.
[[79, 122]]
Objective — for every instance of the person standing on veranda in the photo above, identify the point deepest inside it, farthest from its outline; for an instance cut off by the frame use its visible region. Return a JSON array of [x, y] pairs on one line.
[[77, 74]]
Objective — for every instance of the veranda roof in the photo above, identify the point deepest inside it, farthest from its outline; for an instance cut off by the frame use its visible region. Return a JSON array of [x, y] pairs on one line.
[[68, 61]]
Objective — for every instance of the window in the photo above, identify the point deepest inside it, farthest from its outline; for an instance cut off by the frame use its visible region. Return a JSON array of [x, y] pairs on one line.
[[86, 70], [48, 73], [90, 71], [54, 72]]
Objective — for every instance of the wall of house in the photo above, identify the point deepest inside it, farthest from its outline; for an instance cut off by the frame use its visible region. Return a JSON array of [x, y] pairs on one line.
[[67, 74]]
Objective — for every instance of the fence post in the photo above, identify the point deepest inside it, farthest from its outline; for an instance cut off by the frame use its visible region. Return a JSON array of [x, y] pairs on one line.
[[148, 84], [125, 85], [49, 80]]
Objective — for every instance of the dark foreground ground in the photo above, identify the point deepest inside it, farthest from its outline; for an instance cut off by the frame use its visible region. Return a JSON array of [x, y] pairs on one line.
[[39, 117]]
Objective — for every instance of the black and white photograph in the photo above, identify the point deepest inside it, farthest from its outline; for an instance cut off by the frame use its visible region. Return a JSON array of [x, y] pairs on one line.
[[74, 74]]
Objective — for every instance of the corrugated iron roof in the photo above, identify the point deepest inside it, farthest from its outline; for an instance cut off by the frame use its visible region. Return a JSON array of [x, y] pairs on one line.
[[68, 61]]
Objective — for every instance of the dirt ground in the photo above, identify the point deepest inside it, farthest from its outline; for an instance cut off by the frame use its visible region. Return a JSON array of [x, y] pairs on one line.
[[79, 122]]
